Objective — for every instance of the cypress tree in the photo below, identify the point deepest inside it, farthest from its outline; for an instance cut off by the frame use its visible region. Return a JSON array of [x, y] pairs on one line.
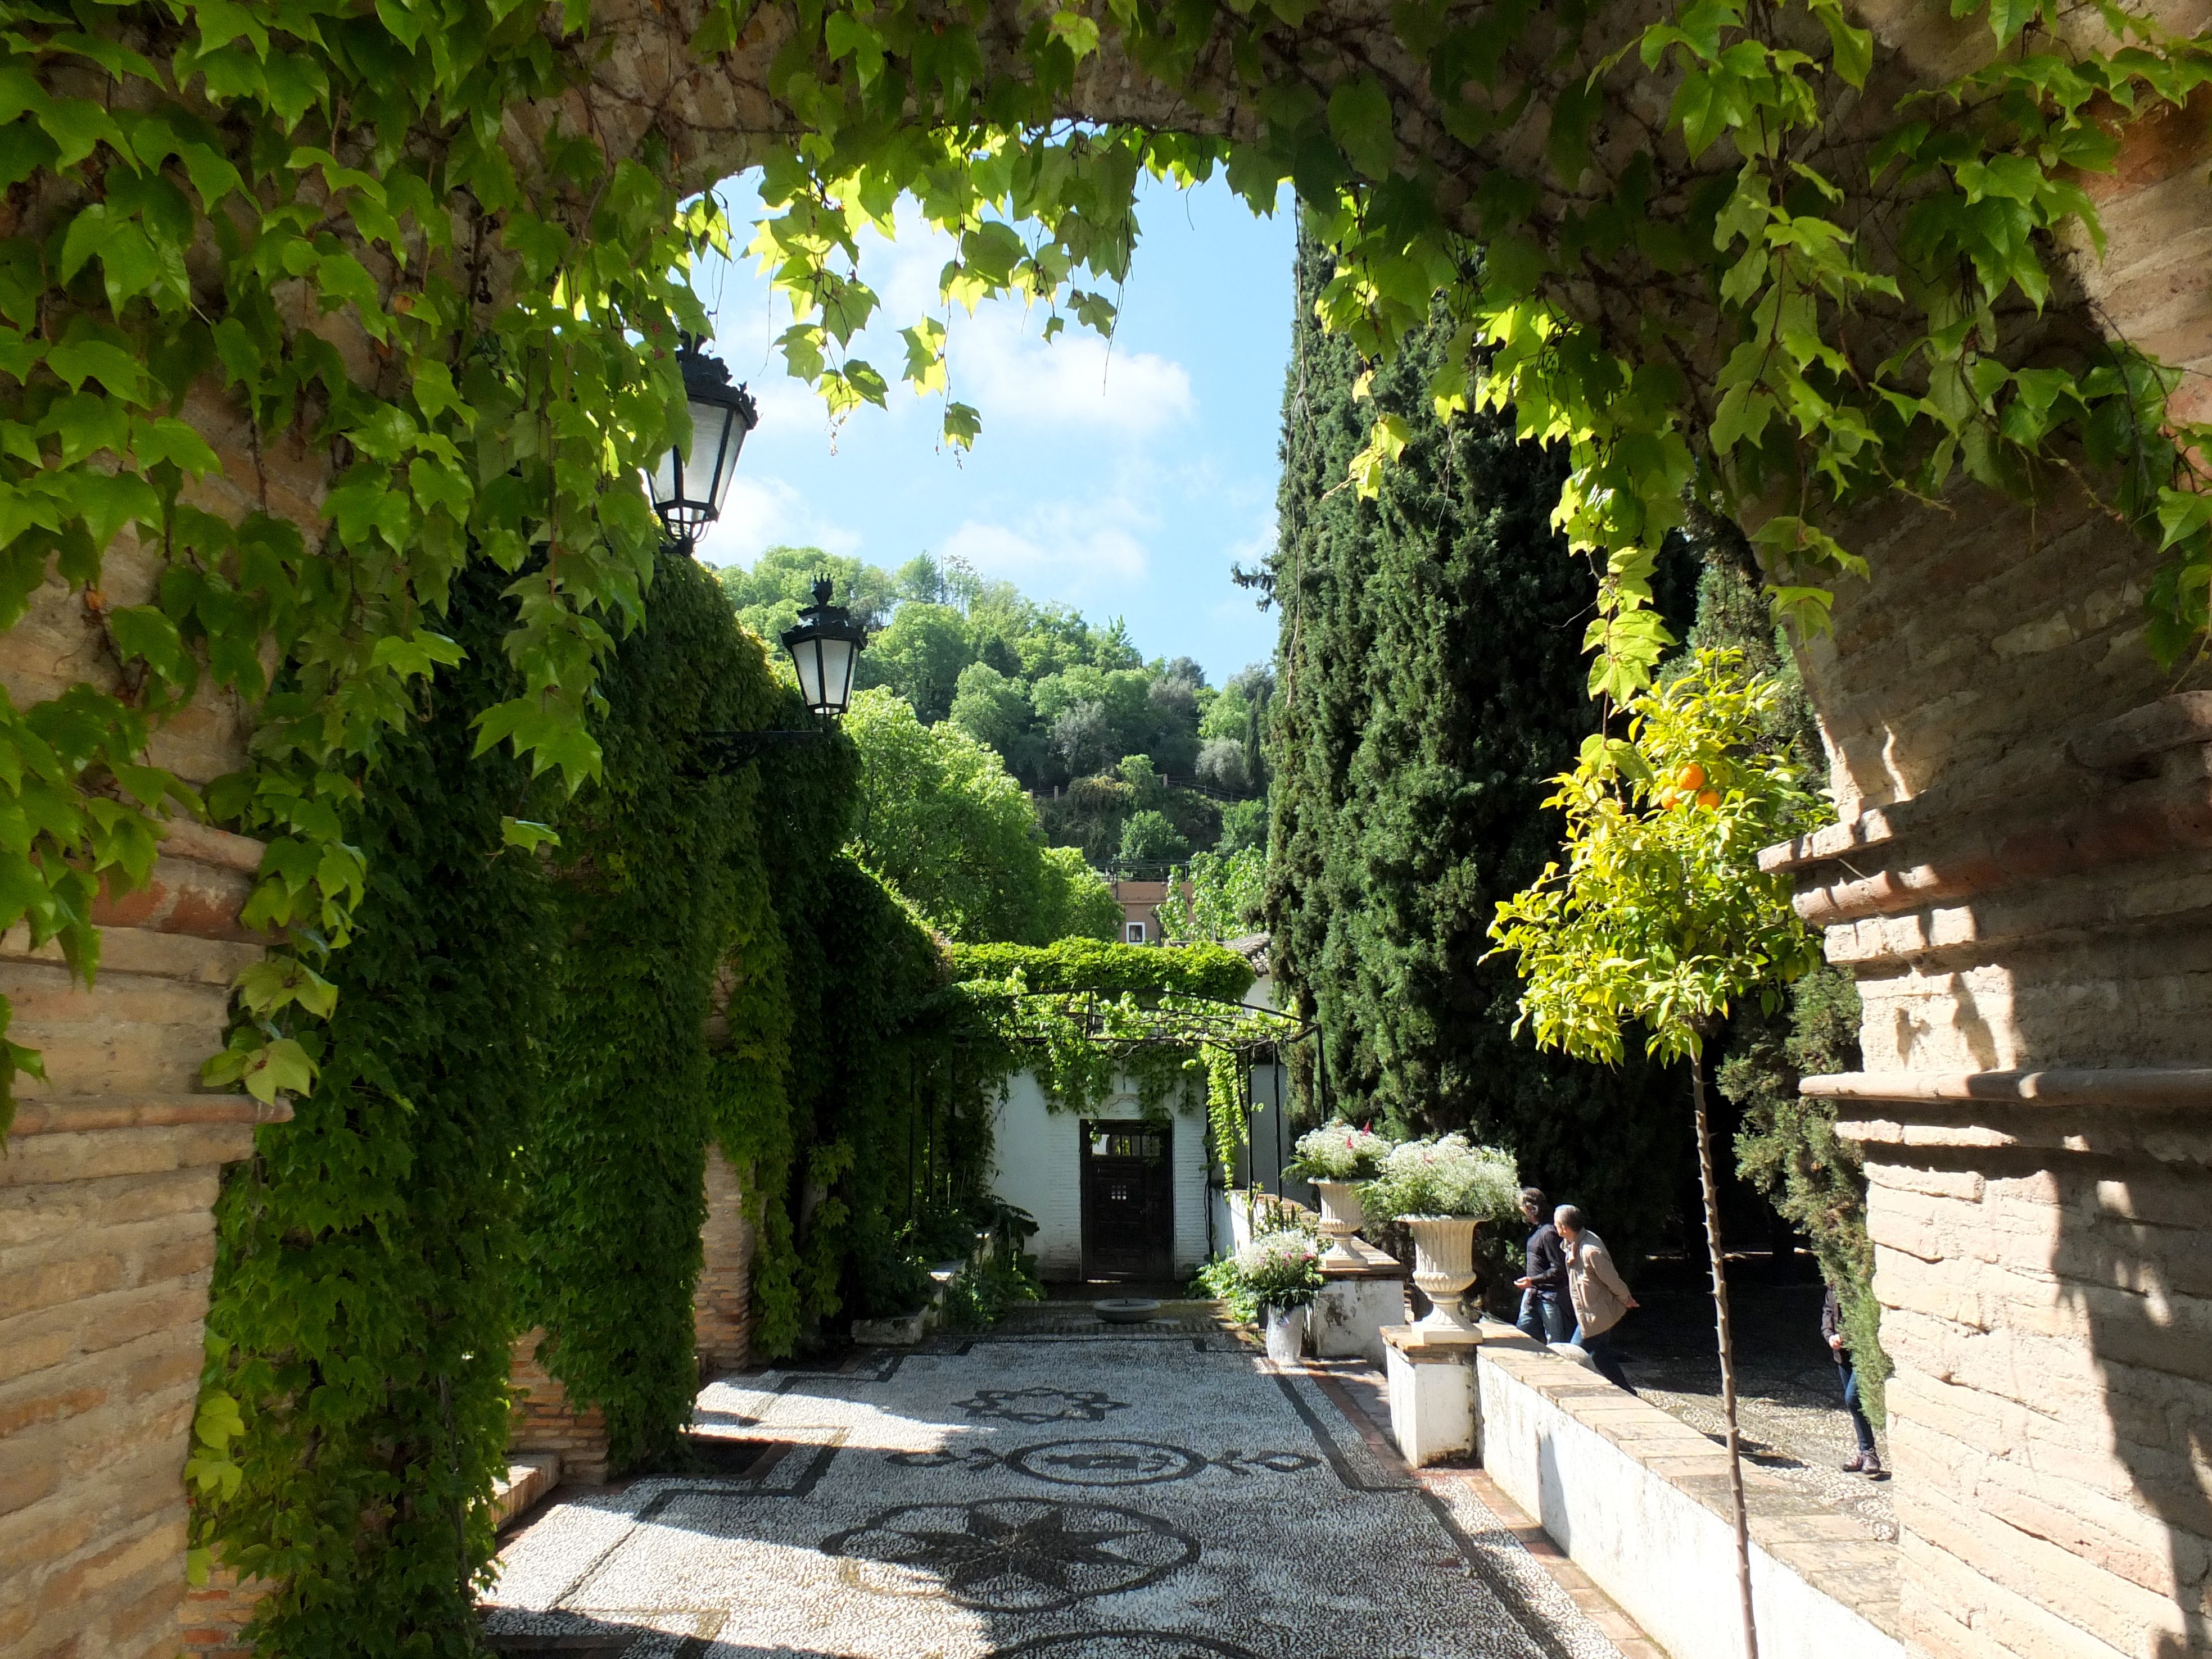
[[1430, 680]]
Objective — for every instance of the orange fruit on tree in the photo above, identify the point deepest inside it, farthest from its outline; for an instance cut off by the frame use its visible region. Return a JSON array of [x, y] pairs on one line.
[[1691, 778], [1708, 798]]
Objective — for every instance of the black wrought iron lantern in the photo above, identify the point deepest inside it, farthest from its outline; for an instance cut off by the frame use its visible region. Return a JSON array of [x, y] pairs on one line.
[[689, 489], [824, 647]]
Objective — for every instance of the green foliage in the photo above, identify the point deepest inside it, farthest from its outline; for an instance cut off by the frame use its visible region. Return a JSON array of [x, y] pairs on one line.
[[1149, 838], [1217, 896], [1684, 315], [1429, 685], [1112, 969], [979, 1297], [1662, 915], [649, 902], [1786, 1146], [364, 1302], [1078, 904], [945, 824], [1084, 1016], [195, 216]]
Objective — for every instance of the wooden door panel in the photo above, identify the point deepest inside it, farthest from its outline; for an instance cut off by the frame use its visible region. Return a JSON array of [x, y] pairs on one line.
[[1129, 1199]]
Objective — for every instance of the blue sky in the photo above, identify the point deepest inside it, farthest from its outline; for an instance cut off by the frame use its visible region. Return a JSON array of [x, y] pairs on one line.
[[1123, 480]]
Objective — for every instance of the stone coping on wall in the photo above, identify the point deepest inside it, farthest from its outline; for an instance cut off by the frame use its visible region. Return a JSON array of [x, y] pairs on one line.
[[1833, 1553], [83, 1116], [1367, 1262]]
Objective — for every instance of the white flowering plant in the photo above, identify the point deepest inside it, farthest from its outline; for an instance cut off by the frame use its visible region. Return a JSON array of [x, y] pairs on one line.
[[1338, 1151], [1445, 1177], [1279, 1270]]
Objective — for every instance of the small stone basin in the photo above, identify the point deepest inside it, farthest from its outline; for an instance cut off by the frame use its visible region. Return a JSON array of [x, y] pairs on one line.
[[1126, 1309]]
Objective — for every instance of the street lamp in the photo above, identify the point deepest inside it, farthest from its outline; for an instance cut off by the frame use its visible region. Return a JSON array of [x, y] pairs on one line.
[[823, 647], [688, 491]]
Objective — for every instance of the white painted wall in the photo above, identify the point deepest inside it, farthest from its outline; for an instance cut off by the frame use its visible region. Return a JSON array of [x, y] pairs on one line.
[[1038, 1163], [1664, 1557]]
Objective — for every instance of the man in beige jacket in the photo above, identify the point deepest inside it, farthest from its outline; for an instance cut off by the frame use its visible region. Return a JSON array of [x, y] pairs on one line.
[[1593, 1285]]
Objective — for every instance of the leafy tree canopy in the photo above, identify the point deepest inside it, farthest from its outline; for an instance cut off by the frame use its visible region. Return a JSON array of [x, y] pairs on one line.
[[948, 827]]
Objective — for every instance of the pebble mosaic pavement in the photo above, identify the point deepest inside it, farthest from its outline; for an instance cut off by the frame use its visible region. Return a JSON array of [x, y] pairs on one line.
[[1139, 1496]]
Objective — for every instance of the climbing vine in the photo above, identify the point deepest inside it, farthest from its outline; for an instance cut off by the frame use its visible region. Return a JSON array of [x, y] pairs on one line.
[[364, 1296], [647, 900], [1088, 1017], [273, 226], [1810, 279]]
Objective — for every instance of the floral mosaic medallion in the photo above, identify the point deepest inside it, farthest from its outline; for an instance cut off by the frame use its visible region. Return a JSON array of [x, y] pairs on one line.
[[1105, 1463], [1123, 1645], [1010, 1554], [1042, 1405]]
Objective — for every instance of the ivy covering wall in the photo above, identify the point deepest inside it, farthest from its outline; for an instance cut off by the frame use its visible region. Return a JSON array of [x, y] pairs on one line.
[[364, 1293], [1431, 679], [647, 900]]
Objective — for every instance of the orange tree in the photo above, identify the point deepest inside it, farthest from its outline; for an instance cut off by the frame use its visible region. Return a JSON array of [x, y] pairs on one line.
[[1662, 917]]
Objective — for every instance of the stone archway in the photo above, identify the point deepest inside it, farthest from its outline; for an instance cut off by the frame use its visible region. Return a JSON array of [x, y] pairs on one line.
[[2018, 883]]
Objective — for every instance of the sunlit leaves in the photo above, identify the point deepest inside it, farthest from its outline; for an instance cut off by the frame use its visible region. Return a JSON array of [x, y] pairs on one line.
[[1661, 916]]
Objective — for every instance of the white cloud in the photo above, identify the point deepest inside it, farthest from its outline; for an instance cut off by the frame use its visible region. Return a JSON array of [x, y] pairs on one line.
[[1053, 556], [1077, 380], [763, 512]]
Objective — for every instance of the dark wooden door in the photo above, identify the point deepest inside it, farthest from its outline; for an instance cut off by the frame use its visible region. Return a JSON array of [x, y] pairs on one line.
[[1128, 1200]]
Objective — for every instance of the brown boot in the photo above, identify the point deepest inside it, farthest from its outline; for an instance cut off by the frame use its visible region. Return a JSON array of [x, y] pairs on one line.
[[1870, 1466], [1855, 1463]]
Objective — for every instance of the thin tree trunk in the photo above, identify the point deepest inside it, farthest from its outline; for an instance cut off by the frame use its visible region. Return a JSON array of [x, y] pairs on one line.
[[1727, 1352]]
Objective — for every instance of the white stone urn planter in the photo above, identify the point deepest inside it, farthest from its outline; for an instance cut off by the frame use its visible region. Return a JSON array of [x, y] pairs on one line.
[[1341, 1218], [1286, 1333], [1443, 1267]]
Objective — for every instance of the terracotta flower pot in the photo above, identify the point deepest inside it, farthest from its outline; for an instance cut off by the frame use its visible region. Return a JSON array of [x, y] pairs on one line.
[[1341, 1218], [1443, 1267]]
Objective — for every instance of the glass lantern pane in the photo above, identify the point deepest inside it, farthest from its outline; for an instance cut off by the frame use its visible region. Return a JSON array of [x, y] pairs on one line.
[[806, 657], [710, 463], [665, 481], [836, 673]]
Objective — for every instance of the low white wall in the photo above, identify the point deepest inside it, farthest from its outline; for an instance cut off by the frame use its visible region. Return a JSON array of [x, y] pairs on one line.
[[1610, 1479], [1038, 1163]]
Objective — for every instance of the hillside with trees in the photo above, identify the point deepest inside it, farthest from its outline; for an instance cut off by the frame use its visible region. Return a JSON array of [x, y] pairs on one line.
[[1126, 758]]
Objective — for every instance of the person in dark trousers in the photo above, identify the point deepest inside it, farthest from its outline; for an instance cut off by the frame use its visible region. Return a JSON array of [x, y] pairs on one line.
[[1866, 1460], [1544, 1313], [1600, 1300]]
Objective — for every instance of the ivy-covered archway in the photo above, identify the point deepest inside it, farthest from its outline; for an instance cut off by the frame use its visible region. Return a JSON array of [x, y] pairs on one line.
[[312, 312]]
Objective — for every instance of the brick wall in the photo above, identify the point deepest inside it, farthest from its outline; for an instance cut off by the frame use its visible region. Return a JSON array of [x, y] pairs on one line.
[[105, 1197], [2023, 884], [543, 1421], [722, 1305]]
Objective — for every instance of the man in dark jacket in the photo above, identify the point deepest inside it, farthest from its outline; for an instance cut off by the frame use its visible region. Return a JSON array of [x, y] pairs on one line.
[[1544, 1290], [1865, 1461]]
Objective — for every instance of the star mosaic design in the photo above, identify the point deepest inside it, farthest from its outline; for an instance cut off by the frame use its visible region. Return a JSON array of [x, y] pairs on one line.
[[1013, 1554], [1042, 1405]]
